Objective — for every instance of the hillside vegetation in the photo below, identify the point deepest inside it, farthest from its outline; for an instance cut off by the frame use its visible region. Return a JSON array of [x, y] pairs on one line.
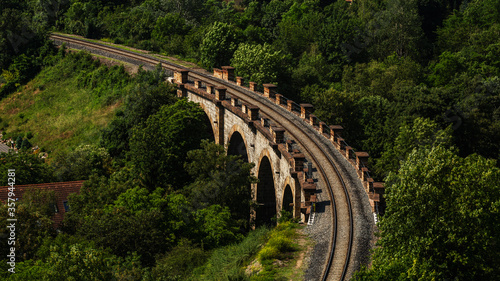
[[415, 83], [66, 104]]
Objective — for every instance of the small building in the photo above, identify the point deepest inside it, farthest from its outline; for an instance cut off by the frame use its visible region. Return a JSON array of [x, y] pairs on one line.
[[61, 189]]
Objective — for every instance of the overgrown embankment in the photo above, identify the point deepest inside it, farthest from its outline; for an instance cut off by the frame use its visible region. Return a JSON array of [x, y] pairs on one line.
[[66, 104], [276, 254]]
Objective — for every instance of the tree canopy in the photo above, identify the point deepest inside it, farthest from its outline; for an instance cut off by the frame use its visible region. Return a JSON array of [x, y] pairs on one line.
[[441, 219]]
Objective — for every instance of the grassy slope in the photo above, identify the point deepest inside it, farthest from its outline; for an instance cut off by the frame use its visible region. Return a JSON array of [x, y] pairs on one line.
[[283, 255], [60, 114], [265, 255]]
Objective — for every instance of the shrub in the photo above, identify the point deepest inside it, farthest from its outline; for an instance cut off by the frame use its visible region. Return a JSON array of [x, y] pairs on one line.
[[26, 144], [179, 262], [279, 244], [268, 253], [19, 141]]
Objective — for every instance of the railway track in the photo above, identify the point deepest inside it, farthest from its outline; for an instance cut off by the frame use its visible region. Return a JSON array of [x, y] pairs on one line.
[[338, 265]]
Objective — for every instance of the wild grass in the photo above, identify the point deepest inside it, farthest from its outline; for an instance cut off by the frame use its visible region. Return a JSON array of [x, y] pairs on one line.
[[282, 256], [264, 254], [66, 104], [228, 263]]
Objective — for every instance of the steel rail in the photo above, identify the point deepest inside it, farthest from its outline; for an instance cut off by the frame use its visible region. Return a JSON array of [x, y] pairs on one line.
[[246, 95]]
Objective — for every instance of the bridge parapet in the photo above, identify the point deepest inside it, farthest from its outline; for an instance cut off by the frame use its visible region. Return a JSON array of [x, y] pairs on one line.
[[240, 81], [226, 73], [305, 110], [269, 90], [181, 76], [252, 86], [220, 93]]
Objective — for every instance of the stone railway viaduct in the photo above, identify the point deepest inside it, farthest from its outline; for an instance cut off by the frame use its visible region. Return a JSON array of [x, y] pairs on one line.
[[285, 179], [240, 129]]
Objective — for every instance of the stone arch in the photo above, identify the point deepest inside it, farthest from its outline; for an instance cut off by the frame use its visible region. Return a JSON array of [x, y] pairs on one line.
[[209, 120], [288, 197], [237, 144], [265, 192]]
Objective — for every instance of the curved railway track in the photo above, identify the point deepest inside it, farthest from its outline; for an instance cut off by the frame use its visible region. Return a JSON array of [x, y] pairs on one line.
[[338, 266]]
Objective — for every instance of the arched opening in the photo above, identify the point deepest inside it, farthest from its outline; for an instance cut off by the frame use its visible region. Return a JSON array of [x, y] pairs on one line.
[[288, 200], [266, 196], [208, 128], [237, 146]]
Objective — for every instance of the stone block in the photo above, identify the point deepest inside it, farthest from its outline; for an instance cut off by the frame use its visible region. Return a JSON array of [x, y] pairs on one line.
[[269, 90], [220, 93], [305, 110]]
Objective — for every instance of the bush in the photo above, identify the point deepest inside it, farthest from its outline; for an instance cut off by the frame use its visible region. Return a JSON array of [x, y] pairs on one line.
[[279, 244], [84, 161], [218, 45], [19, 142], [282, 243], [226, 263], [26, 144], [268, 253], [179, 262]]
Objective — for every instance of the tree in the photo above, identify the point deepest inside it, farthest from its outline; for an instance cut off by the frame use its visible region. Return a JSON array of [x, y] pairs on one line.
[[29, 168], [271, 16], [84, 161], [71, 258], [373, 113], [422, 133], [81, 18], [215, 227], [336, 107], [220, 179], [313, 69], [107, 211], [169, 31], [19, 142], [339, 37], [298, 27], [442, 220], [476, 24], [160, 147], [383, 78], [260, 63], [218, 45], [149, 95], [34, 214], [397, 29], [479, 126], [118, 229]]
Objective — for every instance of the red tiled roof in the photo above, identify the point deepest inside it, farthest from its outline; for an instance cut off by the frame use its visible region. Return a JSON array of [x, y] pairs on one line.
[[61, 189]]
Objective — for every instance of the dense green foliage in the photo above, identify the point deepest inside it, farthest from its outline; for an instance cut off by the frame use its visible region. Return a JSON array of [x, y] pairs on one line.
[[23, 44], [441, 221], [29, 168], [34, 214], [415, 83], [169, 133]]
